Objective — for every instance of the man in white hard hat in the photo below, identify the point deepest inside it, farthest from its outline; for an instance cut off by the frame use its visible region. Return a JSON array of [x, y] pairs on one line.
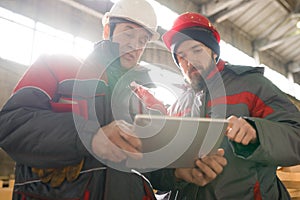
[[59, 126]]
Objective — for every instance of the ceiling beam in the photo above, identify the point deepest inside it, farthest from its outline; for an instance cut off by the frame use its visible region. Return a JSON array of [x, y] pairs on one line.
[[223, 15], [180, 6], [289, 5], [264, 44], [199, 2], [294, 67], [83, 8], [213, 7], [297, 7], [274, 26]]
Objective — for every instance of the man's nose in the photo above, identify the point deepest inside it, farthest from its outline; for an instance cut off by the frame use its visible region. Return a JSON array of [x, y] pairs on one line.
[[190, 64]]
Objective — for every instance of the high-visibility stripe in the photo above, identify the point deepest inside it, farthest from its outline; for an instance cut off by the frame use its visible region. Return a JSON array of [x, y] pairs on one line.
[[86, 195], [256, 191], [182, 113], [256, 106], [50, 68]]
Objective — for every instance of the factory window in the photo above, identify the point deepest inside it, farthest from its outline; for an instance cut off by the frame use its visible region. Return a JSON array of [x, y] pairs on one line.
[[16, 37], [23, 40], [49, 40]]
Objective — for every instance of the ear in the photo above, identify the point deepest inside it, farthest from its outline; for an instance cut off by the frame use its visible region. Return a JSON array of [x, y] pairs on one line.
[[106, 31], [215, 56]]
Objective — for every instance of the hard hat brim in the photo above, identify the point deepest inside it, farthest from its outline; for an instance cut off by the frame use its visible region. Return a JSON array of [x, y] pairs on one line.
[[105, 20]]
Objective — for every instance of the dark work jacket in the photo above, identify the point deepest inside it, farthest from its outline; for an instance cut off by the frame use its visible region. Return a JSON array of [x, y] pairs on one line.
[[251, 170], [52, 115]]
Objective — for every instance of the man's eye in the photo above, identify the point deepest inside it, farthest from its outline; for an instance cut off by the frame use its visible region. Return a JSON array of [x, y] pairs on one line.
[[198, 50], [181, 57]]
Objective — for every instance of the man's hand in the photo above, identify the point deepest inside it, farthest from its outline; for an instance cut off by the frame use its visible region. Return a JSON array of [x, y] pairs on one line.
[[116, 141], [206, 170], [240, 131]]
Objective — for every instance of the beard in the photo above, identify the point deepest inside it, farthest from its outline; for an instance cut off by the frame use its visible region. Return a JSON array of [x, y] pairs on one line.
[[198, 80]]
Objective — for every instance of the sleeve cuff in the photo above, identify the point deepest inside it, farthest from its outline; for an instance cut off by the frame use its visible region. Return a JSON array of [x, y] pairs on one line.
[[246, 150]]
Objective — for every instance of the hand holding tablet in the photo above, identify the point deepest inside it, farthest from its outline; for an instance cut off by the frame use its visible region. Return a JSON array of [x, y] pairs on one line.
[[176, 142]]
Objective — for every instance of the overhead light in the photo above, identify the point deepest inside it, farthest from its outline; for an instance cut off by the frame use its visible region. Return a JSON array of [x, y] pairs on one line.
[[298, 24]]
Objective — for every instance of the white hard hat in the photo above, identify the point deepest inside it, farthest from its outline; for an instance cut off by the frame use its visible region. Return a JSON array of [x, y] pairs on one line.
[[137, 11]]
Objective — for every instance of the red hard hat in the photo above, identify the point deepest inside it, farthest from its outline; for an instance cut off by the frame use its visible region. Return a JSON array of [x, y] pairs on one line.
[[187, 20]]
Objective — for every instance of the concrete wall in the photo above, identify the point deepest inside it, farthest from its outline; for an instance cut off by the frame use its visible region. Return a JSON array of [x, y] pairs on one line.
[[10, 73]]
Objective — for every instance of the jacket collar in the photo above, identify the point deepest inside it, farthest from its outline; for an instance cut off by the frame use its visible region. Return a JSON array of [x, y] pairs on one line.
[[219, 67]]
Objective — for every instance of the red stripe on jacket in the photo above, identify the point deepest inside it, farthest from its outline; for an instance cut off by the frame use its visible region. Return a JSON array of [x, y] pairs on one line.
[[220, 66], [256, 106], [256, 191], [50, 68]]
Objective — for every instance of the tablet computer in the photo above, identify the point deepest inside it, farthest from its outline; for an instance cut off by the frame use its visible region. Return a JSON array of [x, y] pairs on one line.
[[174, 142]]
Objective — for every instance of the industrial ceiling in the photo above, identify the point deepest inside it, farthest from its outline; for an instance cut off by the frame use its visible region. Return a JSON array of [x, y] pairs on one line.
[[263, 29]]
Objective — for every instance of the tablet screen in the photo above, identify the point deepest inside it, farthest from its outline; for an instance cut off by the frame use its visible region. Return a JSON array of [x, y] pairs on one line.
[[175, 141]]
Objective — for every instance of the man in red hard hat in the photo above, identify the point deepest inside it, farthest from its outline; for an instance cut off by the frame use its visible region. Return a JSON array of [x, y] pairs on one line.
[[264, 126]]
